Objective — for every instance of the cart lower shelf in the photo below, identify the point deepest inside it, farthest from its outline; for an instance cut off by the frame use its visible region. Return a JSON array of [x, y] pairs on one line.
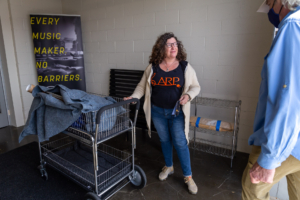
[[212, 147], [76, 161]]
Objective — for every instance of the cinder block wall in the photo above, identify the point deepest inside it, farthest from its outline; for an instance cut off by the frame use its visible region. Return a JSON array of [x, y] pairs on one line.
[[22, 36], [226, 41]]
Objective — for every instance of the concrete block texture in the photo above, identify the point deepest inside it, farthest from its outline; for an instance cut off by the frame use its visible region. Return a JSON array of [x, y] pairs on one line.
[[154, 31], [97, 36], [154, 5], [115, 11], [97, 13], [100, 58], [69, 6], [167, 17], [134, 33], [89, 5], [133, 8], [223, 11], [91, 47], [143, 45], [251, 25], [108, 46], [193, 15], [86, 37], [178, 4], [116, 58], [193, 44], [124, 22], [147, 19], [116, 34], [106, 24], [208, 86], [204, 57], [219, 73], [205, 28], [85, 15], [180, 30], [105, 3], [124, 46], [90, 26], [134, 58]]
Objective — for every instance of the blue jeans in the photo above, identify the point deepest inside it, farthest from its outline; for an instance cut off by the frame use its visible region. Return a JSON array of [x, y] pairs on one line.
[[171, 131]]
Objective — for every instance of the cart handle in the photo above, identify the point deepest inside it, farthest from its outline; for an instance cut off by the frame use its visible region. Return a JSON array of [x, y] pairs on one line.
[[134, 100]]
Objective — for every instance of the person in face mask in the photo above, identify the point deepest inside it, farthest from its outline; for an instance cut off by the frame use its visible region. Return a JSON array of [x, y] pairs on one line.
[[274, 18], [276, 140]]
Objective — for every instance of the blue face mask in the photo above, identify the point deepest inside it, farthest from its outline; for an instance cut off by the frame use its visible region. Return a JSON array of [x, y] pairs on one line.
[[274, 17]]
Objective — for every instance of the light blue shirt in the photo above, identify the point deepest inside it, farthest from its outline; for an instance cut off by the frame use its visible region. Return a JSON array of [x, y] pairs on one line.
[[277, 118]]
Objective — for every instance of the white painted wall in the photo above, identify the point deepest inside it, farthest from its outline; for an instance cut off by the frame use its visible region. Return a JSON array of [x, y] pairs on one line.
[[4, 76], [10, 71], [23, 44]]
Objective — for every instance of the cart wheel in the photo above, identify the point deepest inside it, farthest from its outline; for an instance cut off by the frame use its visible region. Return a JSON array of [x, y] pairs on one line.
[[45, 176], [140, 179], [91, 196], [43, 171]]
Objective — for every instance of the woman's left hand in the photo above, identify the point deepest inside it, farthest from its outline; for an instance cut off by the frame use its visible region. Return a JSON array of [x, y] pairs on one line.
[[184, 99]]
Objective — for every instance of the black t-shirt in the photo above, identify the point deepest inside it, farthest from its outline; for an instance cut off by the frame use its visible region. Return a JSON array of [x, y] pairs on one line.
[[167, 86]]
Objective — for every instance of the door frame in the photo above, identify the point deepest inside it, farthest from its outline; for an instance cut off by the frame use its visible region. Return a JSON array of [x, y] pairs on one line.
[[4, 120]]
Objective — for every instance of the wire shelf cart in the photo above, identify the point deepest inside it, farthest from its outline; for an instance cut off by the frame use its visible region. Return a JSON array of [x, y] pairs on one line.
[[213, 147], [82, 156]]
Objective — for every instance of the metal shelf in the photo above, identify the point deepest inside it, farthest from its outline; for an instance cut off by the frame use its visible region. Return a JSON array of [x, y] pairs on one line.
[[212, 132], [216, 148], [219, 103], [212, 147]]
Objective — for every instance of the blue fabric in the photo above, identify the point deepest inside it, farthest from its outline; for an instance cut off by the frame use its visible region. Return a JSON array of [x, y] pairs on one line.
[[106, 123], [218, 125], [79, 122], [171, 130], [49, 116], [198, 121], [277, 119], [85, 124]]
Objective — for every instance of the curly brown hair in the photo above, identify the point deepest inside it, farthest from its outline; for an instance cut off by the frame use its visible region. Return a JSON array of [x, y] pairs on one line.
[[158, 50]]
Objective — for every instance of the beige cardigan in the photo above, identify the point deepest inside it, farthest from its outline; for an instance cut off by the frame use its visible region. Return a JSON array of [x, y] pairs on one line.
[[191, 87]]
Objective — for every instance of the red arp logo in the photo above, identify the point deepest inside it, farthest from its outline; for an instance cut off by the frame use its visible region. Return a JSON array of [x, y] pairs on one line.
[[167, 81]]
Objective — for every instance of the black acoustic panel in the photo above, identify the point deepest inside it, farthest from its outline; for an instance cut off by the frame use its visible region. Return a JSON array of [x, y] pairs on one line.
[[115, 81], [122, 83], [118, 87], [127, 72], [122, 93]]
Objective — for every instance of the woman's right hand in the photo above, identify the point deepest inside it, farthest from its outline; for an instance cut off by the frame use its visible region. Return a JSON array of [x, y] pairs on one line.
[[127, 98]]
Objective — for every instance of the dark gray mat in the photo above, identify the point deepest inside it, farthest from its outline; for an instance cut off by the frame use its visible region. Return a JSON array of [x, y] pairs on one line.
[[20, 178]]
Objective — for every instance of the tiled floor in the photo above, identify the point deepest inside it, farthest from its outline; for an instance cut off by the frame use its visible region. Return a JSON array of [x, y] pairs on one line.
[[212, 173]]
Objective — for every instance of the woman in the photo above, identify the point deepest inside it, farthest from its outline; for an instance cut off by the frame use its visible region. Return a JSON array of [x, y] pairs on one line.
[[167, 79]]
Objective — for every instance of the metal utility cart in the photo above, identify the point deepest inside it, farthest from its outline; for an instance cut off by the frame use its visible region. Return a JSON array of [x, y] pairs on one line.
[[213, 147], [82, 156]]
